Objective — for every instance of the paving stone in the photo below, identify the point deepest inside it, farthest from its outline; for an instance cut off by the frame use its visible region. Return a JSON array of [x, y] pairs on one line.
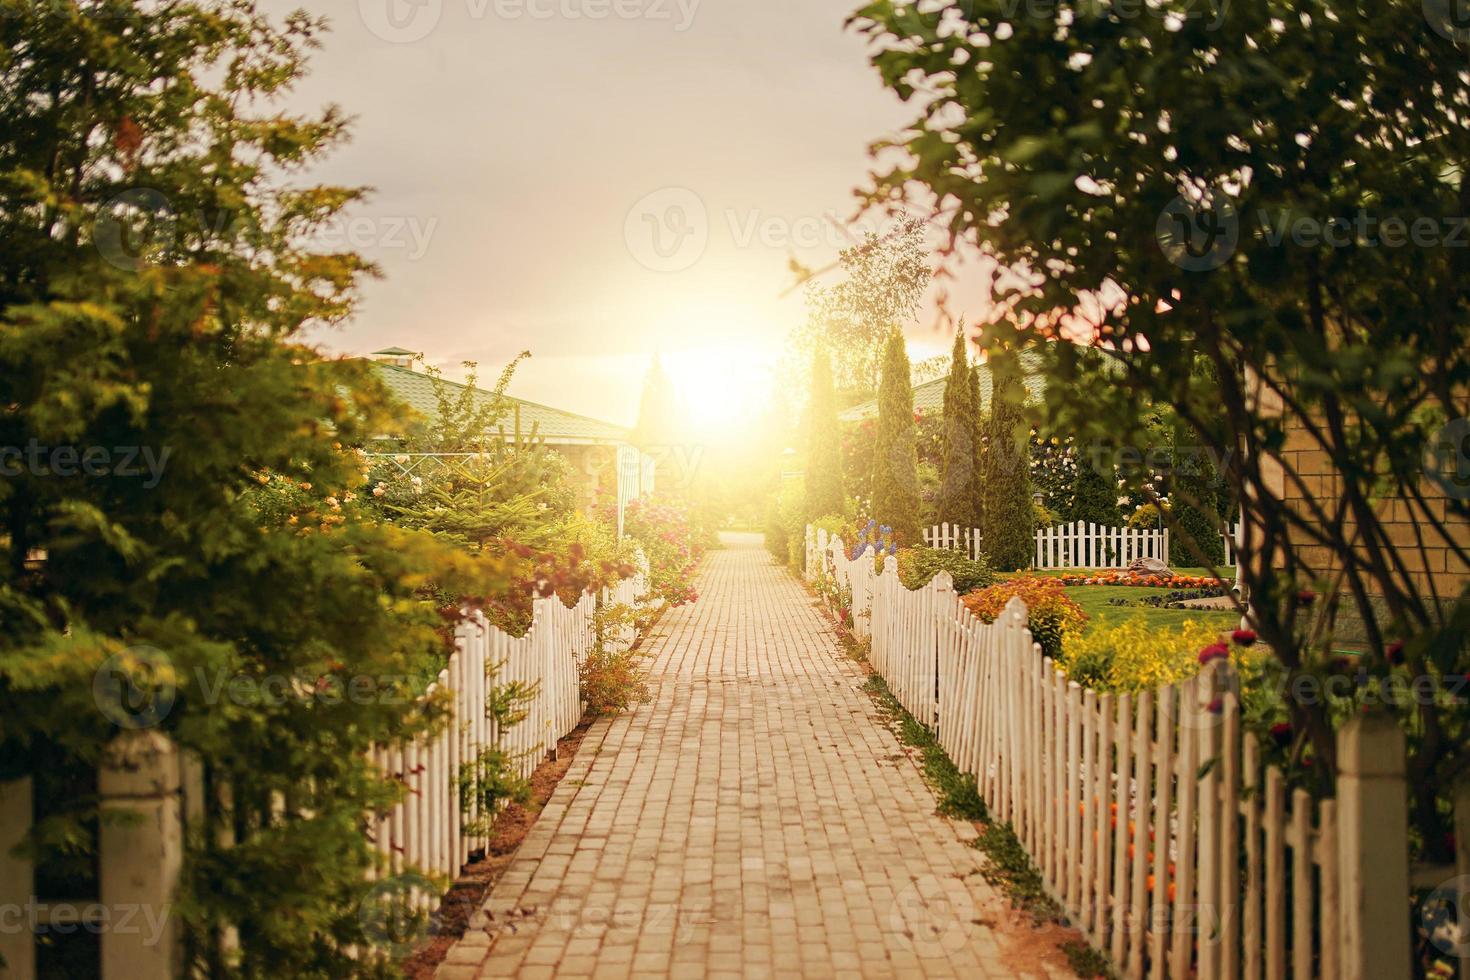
[[751, 820]]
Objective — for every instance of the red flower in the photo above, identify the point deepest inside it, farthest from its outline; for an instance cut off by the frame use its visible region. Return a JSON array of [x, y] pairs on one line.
[[1306, 597], [1395, 652], [1216, 706], [1281, 732], [1217, 651], [1243, 638]]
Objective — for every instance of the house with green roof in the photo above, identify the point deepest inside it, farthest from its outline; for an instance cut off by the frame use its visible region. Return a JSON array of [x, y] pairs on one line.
[[600, 452]]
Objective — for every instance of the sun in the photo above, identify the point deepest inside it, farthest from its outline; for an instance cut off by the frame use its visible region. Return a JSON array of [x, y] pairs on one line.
[[721, 387]]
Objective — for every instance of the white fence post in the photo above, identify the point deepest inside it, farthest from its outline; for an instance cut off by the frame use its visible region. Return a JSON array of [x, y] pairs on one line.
[[1373, 849], [17, 880], [141, 852]]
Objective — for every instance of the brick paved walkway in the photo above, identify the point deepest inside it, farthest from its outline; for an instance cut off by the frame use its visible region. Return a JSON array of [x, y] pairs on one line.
[[756, 819]]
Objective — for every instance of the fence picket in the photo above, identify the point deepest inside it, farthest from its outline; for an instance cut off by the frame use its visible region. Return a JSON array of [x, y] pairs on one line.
[[1143, 811]]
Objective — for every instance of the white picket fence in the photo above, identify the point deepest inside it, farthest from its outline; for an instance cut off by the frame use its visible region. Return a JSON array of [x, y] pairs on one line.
[[1077, 545], [1150, 816], [426, 833], [1081, 544]]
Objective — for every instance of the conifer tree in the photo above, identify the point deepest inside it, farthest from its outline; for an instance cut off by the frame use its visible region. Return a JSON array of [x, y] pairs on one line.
[[895, 451], [191, 517], [824, 494], [958, 495], [1195, 504], [1095, 488], [660, 421], [1007, 519]]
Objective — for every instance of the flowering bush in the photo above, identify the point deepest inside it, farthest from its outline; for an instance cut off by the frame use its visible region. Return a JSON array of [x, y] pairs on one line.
[[918, 566], [1141, 581], [1052, 615], [1134, 656], [874, 537], [661, 528]]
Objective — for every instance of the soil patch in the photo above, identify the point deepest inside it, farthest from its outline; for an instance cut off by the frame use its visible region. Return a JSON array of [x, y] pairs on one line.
[[484, 869]]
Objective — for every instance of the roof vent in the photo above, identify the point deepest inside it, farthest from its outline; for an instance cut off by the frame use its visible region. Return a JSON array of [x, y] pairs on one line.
[[396, 356]]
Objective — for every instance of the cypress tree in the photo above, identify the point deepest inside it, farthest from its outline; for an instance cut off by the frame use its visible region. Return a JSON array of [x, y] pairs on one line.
[[1007, 519], [957, 482], [824, 495], [659, 413], [1195, 502], [895, 450], [1095, 487]]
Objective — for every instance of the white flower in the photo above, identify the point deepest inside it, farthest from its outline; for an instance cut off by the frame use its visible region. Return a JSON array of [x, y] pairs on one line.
[[379, 490], [400, 459], [332, 503]]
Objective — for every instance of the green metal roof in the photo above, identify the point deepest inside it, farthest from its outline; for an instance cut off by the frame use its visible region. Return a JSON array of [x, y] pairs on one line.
[[552, 425], [929, 396]]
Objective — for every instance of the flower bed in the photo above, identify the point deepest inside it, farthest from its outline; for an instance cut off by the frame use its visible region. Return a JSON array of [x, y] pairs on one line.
[[1141, 581]]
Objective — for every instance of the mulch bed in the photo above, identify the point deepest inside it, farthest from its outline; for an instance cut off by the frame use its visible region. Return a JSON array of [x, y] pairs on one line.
[[480, 875]]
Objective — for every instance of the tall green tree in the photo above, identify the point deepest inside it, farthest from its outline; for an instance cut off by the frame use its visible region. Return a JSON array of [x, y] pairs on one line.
[[1186, 198], [660, 418], [895, 451], [1196, 504], [959, 495], [1095, 486], [183, 512], [1007, 518], [883, 279], [824, 495]]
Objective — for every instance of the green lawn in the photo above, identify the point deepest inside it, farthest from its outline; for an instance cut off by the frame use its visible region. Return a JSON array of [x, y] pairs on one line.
[[1229, 573], [1094, 601]]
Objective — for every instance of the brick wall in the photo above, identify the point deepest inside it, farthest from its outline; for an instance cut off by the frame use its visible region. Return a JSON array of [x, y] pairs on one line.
[[1435, 564]]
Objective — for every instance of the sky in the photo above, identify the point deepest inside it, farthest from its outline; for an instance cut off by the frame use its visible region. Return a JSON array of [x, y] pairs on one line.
[[596, 181]]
